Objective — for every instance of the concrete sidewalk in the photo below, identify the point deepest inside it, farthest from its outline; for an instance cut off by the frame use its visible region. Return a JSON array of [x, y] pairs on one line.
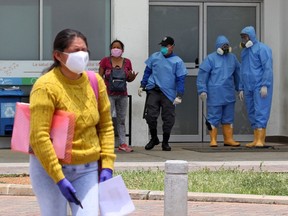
[[199, 203], [27, 206], [272, 161]]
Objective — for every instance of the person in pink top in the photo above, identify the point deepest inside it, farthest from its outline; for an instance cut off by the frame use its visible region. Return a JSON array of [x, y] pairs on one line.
[[117, 71]]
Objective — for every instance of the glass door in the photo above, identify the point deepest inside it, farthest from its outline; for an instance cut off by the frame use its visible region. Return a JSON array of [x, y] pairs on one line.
[[229, 19], [182, 21], [195, 27]]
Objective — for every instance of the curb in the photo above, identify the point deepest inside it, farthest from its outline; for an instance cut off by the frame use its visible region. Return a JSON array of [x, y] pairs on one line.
[[26, 190], [16, 190], [269, 166]]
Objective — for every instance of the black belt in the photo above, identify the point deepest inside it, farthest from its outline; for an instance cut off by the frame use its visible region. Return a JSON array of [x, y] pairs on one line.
[[156, 88]]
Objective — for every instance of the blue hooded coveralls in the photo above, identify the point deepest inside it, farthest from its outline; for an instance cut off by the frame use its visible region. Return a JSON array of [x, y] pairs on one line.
[[256, 72], [219, 77]]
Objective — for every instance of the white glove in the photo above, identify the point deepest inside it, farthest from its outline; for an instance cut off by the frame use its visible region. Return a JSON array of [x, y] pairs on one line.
[[140, 90], [263, 91], [203, 96], [177, 100], [241, 95]]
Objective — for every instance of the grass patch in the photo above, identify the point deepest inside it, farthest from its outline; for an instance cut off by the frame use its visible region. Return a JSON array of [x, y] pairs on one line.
[[233, 181]]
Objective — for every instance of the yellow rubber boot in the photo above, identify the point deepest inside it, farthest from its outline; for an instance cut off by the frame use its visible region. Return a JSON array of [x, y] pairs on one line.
[[263, 136], [252, 144], [213, 137], [261, 133], [228, 136]]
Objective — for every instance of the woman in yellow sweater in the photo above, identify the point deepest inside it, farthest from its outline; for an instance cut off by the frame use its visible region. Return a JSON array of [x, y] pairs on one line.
[[66, 87]]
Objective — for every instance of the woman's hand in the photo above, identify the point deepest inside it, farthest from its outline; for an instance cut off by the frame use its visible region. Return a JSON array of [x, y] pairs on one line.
[[131, 75], [105, 174]]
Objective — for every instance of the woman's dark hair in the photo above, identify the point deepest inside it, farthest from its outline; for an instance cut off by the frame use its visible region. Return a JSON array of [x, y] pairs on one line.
[[63, 40], [117, 41]]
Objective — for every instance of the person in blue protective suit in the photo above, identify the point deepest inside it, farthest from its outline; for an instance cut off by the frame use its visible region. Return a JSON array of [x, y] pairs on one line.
[[218, 78], [257, 79], [163, 80]]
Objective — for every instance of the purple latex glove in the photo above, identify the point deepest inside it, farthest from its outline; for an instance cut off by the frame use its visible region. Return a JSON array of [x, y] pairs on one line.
[[67, 190], [105, 174]]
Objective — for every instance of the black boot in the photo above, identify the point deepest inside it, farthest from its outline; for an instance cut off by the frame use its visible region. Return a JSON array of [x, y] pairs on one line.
[[165, 145], [154, 140]]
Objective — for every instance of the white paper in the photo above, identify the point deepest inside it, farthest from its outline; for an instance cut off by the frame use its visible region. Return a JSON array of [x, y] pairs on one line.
[[114, 198]]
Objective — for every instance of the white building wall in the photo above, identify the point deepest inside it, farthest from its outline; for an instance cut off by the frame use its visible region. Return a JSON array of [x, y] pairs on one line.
[[275, 19], [283, 82], [271, 25], [132, 29]]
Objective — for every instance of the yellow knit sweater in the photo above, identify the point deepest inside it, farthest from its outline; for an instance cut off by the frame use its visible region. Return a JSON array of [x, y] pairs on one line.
[[53, 91]]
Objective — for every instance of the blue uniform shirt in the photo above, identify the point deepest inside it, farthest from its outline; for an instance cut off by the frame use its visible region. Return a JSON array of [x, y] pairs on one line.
[[168, 73]]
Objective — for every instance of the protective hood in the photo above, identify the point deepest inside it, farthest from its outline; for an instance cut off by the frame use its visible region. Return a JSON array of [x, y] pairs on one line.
[[220, 41], [250, 31]]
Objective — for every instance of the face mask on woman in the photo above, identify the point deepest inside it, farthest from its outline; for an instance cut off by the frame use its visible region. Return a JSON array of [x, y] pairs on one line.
[[77, 61], [115, 52]]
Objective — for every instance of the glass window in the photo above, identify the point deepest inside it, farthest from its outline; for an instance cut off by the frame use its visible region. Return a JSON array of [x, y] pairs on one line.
[[181, 23], [229, 21], [19, 24], [21, 36], [86, 16]]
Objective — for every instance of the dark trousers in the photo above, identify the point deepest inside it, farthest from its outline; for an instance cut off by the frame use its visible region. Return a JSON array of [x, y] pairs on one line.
[[157, 102]]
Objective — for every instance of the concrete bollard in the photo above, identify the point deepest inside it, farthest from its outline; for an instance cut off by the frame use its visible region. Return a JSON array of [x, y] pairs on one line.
[[176, 188]]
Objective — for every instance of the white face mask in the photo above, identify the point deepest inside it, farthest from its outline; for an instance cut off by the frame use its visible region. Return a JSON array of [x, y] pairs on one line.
[[221, 51], [246, 44], [249, 44], [77, 61]]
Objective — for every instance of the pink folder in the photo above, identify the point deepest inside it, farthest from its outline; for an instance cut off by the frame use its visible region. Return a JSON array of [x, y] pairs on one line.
[[61, 134]]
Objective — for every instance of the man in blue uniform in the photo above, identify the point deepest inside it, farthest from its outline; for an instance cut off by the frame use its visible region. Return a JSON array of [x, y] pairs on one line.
[[257, 79], [163, 80], [218, 78]]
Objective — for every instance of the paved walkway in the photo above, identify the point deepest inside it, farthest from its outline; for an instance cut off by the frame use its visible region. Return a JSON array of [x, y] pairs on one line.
[[199, 204], [27, 206]]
